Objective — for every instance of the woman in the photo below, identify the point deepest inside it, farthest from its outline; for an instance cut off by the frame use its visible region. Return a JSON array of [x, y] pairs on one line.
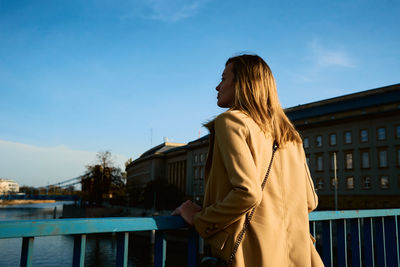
[[241, 145]]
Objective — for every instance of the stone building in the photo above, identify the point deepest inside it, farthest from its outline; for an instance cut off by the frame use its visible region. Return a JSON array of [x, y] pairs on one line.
[[361, 129], [8, 186], [155, 165]]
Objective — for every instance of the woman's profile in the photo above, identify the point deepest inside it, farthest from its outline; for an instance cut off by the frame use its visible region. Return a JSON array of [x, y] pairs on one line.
[[240, 152]]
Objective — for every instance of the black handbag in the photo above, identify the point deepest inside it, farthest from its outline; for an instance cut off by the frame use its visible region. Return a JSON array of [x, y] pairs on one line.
[[217, 262]]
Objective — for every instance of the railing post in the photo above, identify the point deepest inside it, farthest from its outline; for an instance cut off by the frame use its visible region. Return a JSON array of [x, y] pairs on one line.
[[78, 259], [327, 255], [355, 242], [341, 245], [192, 248], [390, 242], [397, 223], [369, 259], [160, 249], [380, 242], [26, 252], [122, 249]]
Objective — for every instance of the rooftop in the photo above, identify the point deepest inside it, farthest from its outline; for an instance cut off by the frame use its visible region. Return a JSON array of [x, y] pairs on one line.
[[383, 95]]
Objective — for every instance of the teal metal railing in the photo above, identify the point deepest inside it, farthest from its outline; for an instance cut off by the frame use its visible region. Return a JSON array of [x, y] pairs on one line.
[[344, 238], [79, 228], [357, 237]]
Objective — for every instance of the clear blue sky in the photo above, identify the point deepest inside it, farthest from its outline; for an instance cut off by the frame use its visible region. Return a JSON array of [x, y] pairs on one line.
[[78, 77]]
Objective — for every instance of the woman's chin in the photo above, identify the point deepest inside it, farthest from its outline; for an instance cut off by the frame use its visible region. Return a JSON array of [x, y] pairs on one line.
[[221, 104]]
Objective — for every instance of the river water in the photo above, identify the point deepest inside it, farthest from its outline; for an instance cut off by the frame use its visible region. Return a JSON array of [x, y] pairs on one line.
[[58, 250]]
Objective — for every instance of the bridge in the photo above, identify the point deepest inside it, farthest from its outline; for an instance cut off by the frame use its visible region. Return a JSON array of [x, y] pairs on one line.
[[344, 238], [62, 185], [57, 186], [41, 197]]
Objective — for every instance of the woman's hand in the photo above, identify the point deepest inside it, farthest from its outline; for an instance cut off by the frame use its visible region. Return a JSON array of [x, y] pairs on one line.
[[187, 210]]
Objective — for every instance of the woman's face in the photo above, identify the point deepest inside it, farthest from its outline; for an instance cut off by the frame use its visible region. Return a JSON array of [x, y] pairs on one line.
[[226, 88]]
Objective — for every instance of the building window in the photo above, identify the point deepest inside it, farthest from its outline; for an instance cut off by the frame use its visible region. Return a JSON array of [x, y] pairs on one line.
[[381, 133], [320, 162], [308, 160], [365, 160], [398, 181], [384, 181], [195, 158], [398, 156], [201, 157], [347, 137], [333, 183], [196, 173], [306, 142], [320, 183], [366, 182], [318, 141], [201, 188], [350, 182], [364, 135], [383, 163], [397, 133], [348, 157], [332, 139], [332, 161]]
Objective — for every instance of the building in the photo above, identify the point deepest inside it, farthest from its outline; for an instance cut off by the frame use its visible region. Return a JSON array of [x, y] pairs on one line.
[[154, 165], [8, 186], [361, 129]]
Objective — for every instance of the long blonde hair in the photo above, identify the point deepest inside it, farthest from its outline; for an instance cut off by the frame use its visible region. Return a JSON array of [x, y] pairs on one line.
[[256, 95]]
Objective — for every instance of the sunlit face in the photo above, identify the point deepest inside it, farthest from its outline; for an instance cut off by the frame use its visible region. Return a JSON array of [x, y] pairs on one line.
[[226, 88]]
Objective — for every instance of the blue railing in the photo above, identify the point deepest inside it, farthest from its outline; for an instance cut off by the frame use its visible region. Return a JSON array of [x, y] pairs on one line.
[[357, 237], [28, 230], [344, 238]]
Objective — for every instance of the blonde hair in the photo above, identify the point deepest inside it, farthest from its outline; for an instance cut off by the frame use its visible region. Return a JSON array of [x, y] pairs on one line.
[[256, 95]]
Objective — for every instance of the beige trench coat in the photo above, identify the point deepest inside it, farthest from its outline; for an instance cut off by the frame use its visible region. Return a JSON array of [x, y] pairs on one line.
[[237, 162]]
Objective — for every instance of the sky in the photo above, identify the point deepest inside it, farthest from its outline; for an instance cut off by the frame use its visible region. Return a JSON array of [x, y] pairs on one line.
[[81, 77]]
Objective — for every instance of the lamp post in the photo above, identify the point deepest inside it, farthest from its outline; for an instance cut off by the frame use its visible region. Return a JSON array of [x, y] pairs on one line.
[[336, 180]]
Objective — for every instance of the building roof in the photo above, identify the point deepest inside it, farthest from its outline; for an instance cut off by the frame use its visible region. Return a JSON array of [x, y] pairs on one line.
[[373, 97], [161, 148]]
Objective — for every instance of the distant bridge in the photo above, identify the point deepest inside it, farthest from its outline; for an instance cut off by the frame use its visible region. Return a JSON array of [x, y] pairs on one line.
[[40, 197], [52, 196], [63, 184]]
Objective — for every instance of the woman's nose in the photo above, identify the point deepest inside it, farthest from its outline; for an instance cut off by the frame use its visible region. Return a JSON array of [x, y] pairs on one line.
[[217, 88]]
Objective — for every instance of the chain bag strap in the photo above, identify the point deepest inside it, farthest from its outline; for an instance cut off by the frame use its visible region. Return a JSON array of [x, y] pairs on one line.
[[250, 215]]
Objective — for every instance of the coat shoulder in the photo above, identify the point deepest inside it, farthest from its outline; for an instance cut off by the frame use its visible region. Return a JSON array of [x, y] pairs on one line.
[[233, 117]]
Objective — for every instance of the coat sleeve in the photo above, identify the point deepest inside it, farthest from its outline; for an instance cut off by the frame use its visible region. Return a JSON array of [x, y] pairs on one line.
[[312, 198], [231, 134]]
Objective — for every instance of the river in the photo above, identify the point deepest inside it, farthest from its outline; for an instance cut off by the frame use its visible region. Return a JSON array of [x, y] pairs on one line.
[[57, 250]]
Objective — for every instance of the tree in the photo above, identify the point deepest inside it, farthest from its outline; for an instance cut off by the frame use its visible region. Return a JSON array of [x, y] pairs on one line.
[[129, 161], [103, 181]]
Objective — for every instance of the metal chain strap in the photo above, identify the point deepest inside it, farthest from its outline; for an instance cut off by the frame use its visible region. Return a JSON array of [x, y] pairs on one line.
[[250, 215]]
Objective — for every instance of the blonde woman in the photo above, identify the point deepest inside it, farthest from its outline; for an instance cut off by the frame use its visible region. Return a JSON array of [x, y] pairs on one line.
[[240, 151]]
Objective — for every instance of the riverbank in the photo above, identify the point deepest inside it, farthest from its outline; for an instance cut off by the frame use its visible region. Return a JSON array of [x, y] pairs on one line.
[[23, 201]]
